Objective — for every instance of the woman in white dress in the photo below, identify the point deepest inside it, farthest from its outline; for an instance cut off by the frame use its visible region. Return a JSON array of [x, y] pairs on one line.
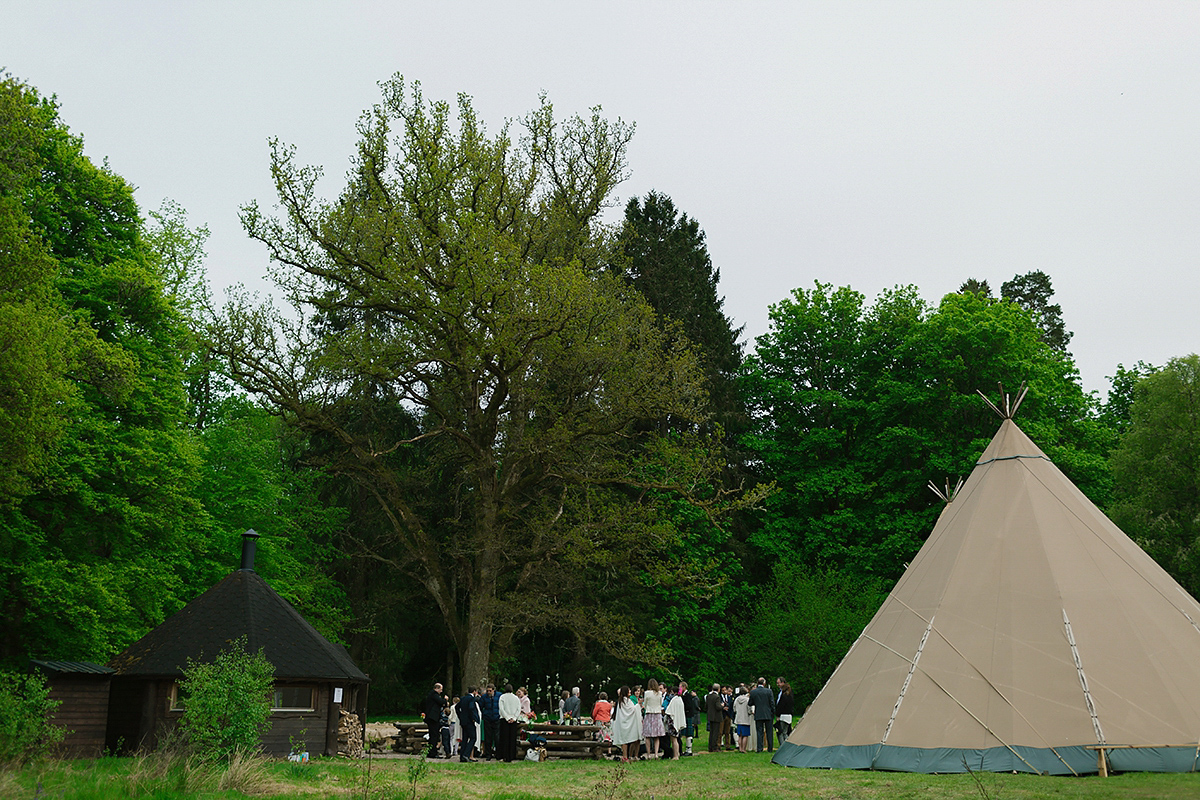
[[455, 728], [626, 725], [678, 714], [652, 723]]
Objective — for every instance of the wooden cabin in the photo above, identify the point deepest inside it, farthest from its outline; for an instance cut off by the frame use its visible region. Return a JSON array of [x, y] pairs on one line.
[[81, 689], [315, 680]]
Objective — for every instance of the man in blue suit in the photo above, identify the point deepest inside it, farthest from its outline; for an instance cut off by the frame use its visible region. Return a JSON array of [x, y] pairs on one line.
[[468, 718]]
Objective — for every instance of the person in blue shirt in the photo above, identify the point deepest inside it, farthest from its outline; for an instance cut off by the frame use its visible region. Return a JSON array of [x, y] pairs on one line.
[[489, 709]]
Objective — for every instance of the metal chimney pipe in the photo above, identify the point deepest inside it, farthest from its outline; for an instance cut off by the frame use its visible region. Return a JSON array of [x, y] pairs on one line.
[[248, 549]]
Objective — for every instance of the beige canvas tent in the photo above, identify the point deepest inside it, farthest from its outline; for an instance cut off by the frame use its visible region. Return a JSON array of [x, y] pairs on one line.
[[1028, 630]]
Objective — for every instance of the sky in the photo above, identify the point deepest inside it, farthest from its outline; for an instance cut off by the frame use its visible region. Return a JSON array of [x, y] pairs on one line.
[[862, 144]]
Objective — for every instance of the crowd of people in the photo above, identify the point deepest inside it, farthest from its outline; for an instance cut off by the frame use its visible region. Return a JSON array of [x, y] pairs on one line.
[[655, 721]]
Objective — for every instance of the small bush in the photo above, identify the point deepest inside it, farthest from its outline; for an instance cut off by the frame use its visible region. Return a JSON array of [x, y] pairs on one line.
[[26, 733], [228, 701]]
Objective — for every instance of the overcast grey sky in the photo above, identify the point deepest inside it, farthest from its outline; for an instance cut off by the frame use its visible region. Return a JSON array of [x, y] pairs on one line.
[[860, 144]]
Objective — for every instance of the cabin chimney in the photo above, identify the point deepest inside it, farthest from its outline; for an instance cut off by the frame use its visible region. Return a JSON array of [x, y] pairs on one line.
[[248, 549]]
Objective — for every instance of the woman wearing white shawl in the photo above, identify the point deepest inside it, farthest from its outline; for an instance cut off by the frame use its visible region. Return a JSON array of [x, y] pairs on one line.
[[678, 715], [627, 725]]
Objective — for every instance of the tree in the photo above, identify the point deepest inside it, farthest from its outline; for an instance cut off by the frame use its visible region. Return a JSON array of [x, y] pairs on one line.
[[1032, 291], [455, 288], [664, 256], [1156, 470], [857, 407], [978, 287], [35, 337], [804, 622], [101, 548], [1117, 413]]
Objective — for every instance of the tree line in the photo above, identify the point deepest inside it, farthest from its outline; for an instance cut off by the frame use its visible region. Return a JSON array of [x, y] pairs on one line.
[[487, 434]]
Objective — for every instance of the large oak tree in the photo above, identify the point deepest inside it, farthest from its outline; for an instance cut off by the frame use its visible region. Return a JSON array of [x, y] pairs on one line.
[[457, 350]]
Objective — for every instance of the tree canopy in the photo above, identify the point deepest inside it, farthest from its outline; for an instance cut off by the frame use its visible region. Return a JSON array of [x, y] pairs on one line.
[[663, 254], [98, 549], [1032, 291], [454, 289], [856, 407], [1156, 469]]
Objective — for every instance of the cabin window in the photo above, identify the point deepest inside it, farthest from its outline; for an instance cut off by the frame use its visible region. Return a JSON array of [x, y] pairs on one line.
[[294, 698], [178, 697]]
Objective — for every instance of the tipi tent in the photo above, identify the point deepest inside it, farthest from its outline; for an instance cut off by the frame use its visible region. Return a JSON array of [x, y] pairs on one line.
[[1028, 631]]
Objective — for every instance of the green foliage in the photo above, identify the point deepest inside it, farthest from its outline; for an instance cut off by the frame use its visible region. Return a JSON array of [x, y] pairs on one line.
[[228, 701], [857, 407], [454, 292], [662, 252], [176, 253], [1117, 413], [976, 286], [35, 336], [1032, 291], [101, 545], [250, 477], [26, 733], [803, 623], [1156, 469]]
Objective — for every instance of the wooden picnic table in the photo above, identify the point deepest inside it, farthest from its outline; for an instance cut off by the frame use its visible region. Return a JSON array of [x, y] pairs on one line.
[[562, 741]]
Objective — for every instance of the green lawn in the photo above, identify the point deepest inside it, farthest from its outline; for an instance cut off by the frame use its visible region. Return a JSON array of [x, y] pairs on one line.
[[725, 775]]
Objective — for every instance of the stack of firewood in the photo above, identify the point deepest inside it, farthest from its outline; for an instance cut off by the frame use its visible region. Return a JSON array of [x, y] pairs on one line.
[[350, 735]]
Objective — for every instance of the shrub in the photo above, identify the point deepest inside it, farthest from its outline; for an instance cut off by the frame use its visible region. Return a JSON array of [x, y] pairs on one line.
[[26, 733], [227, 701]]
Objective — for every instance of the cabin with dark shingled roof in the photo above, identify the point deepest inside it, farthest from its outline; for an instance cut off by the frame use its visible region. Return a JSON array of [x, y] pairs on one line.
[[315, 679]]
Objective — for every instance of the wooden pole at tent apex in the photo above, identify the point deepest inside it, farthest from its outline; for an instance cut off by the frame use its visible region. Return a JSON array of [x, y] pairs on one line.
[[1010, 408]]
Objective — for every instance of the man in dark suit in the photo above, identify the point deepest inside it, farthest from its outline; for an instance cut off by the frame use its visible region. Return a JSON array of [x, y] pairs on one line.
[[468, 718], [762, 700], [714, 712], [431, 712]]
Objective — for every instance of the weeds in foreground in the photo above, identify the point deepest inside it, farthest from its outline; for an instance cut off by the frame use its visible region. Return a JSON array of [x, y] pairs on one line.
[[246, 773], [609, 787], [418, 770], [169, 769], [980, 786]]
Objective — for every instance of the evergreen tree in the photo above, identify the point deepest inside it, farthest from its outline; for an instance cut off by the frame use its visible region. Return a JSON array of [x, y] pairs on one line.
[[976, 286], [664, 256], [1032, 291]]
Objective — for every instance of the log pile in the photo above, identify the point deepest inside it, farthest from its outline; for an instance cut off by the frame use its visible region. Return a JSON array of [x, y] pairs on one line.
[[350, 735], [410, 737]]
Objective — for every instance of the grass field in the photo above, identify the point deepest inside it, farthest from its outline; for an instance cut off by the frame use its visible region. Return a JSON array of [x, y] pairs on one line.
[[726, 775]]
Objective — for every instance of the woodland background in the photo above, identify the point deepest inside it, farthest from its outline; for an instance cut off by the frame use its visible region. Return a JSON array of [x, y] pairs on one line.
[[484, 434]]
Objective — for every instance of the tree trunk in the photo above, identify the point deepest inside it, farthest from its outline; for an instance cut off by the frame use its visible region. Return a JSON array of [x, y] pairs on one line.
[[476, 660]]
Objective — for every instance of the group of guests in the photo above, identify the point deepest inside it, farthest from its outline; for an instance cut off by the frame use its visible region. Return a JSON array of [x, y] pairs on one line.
[[656, 718], [731, 710], [480, 724], [644, 723]]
